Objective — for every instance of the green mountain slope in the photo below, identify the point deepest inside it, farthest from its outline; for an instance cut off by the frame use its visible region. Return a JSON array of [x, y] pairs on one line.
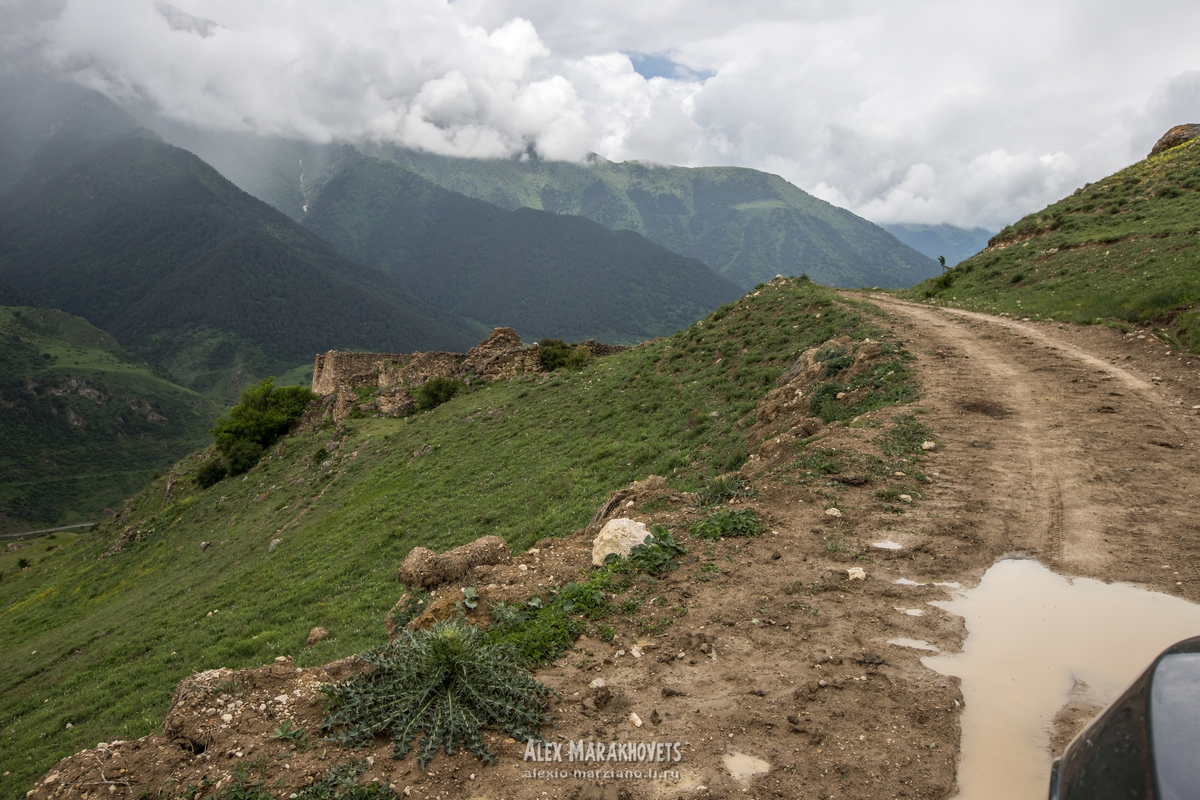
[[84, 421], [747, 225], [151, 244], [956, 244], [114, 635], [1125, 248], [541, 273]]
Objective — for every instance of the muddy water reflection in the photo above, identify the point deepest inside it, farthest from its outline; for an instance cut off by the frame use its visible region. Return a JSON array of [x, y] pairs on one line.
[[1031, 635]]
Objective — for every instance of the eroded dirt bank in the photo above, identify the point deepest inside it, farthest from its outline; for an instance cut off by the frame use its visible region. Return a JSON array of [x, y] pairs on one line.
[[1052, 441]]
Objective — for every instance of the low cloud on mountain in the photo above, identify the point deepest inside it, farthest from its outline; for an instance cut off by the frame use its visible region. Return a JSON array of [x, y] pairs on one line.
[[970, 114]]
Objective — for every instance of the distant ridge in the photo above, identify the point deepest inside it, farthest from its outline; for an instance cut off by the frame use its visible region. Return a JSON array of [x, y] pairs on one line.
[[745, 224], [547, 275]]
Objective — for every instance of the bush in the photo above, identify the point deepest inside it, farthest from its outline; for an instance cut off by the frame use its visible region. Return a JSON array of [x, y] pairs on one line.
[[557, 354], [211, 473], [256, 423], [436, 391], [444, 684]]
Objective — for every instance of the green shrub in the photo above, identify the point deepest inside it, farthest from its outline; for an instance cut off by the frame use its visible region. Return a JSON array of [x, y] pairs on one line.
[[742, 522], [211, 472], [265, 414], [557, 354], [436, 391], [658, 552], [717, 490], [443, 685]]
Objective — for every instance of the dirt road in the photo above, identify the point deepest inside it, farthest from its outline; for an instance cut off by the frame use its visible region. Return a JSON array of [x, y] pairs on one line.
[[1077, 445]]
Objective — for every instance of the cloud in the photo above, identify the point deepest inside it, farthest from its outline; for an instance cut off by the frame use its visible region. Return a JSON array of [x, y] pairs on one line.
[[901, 110]]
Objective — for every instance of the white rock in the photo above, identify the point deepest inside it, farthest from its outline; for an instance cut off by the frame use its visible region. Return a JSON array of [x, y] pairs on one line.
[[857, 574], [618, 536], [636, 720], [905, 498], [596, 684], [227, 718], [832, 512], [283, 698], [928, 445]]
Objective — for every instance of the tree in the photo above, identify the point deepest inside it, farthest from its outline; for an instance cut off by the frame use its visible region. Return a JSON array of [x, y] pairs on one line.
[[253, 425], [942, 261]]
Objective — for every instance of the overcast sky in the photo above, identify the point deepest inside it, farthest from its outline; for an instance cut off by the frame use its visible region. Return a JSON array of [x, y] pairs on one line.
[[971, 113]]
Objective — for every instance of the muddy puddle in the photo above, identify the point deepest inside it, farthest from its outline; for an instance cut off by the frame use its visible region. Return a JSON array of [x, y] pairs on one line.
[[1035, 642]]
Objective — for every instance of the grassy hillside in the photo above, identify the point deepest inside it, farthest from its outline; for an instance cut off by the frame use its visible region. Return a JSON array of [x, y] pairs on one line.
[[747, 225], [314, 533], [1125, 248], [547, 275], [85, 423], [151, 244]]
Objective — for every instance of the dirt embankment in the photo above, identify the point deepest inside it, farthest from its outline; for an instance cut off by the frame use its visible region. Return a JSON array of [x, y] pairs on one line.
[[1076, 445]]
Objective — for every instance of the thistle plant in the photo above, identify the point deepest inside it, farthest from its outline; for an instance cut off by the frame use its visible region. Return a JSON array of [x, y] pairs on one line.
[[444, 685]]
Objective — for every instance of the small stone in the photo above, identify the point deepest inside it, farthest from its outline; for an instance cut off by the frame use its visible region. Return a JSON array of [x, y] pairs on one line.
[[69, 726], [283, 698], [636, 720], [905, 498], [317, 634], [832, 512], [274, 543], [51, 778], [599, 682], [856, 574], [840, 395], [522, 567], [227, 718], [635, 651], [928, 445], [898, 474], [204, 546]]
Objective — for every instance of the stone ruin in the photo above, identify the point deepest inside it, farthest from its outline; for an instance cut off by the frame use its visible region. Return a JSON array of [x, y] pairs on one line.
[[499, 357]]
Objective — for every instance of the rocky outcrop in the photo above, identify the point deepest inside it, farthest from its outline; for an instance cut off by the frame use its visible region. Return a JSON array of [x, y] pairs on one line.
[[1175, 137]]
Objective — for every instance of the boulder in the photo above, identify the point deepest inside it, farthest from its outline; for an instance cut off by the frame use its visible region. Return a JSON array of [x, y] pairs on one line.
[[1175, 137], [317, 634], [618, 536], [423, 567]]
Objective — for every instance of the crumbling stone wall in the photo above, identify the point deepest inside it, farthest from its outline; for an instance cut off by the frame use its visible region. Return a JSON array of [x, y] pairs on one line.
[[499, 357]]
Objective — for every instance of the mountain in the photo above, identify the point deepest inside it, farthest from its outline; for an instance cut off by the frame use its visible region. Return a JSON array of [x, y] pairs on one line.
[[85, 422], [151, 244], [544, 274], [1125, 248], [956, 244], [747, 225]]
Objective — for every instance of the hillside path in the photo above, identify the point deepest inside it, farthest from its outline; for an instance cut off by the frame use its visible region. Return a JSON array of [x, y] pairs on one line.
[[1075, 444]]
